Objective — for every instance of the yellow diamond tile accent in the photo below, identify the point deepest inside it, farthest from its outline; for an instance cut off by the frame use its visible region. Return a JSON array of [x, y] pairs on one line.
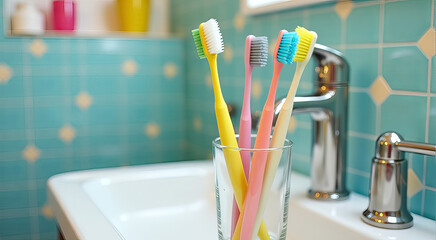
[[228, 53], [130, 67], [343, 8], [83, 100], [152, 130], [198, 124], [414, 185], [256, 89], [46, 211], [380, 90], [208, 80], [427, 43], [239, 21], [31, 153], [170, 70], [38, 48], [292, 124], [5, 73], [67, 133]]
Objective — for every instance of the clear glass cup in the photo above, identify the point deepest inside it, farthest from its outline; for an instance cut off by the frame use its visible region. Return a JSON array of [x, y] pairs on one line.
[[275, 214]]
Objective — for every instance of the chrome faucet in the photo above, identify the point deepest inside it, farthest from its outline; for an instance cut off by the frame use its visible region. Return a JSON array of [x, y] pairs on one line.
[[388, 191], [328, 108]]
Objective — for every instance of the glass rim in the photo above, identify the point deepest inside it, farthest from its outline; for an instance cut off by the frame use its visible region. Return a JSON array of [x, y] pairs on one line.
[[287, 144]]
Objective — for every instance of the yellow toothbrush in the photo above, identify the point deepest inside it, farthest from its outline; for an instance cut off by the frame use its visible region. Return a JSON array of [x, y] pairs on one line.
[[209, 43]]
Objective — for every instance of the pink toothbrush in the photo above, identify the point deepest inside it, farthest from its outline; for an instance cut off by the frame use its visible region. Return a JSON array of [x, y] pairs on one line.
[[256, 55], [262, 140]]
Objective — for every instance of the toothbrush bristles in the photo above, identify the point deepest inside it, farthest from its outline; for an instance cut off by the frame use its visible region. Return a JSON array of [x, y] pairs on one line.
[[304, 43], [284, 48], [198, 45], [259, 51], [213, 37]]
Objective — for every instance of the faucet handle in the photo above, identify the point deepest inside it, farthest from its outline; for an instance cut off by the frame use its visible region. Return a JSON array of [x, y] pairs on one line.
[[388, 190]]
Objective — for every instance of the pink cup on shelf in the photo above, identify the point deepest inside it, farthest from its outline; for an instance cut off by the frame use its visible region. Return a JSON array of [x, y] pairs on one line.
[[64, 18]]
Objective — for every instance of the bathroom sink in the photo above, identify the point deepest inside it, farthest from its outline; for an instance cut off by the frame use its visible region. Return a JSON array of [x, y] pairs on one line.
[[177, 201]]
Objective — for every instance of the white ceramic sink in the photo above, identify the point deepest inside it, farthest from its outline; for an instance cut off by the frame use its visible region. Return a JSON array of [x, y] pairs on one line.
[[177, 201]]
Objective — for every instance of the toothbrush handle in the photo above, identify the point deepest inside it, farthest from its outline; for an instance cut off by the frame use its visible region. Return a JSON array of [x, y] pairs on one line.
[[277, 141], [244, 140], [227, 135], [245, 122], [259, 160]]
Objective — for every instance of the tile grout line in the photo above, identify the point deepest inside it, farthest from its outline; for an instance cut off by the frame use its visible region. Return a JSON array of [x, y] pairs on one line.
[[424, 175], [358, 172], [412, 93], [362, 135], [30, 135], [380, 62], [427, 120]]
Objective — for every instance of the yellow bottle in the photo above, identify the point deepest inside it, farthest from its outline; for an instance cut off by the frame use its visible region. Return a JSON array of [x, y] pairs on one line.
[[133, 15]]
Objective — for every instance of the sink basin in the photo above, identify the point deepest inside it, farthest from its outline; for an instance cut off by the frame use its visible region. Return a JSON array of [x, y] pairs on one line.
[[177, 201]]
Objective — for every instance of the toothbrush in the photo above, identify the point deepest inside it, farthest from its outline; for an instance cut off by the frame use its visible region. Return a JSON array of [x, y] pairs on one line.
[[305, 48], [256, 55], [209, 43], [281, 56]]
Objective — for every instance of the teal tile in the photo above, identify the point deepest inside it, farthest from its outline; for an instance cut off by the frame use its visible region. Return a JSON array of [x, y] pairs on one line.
[[432, 121], [360, 153], [49, 117], [14, 199], [327, 25], [14, 226], [48, 59], [14, 87], [433, 75], [104, 85], [11, 118], [417, 164], [48, 85], [12, 145], [361, 113], [302, 139], [406, 21], [415, 203], [300, 165], [104, 115], [363, 25], [411, 125], [11, 58], [103, 59], [51, 142], [105, 161], [357, 183], [429, 204], [430, 170], [47, 225], [405, 68], [47, 167], [11, 171], [363, 66]]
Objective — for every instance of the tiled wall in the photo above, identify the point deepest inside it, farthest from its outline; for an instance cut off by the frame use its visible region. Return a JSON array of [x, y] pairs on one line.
[[390, 48], [74, 103]]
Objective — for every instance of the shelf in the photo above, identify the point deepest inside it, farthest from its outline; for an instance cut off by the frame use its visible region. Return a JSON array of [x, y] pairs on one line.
[[97, 35]]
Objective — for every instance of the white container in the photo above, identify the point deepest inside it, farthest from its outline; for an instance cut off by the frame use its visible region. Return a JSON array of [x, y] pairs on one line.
[[159, 17], [27, 20]]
